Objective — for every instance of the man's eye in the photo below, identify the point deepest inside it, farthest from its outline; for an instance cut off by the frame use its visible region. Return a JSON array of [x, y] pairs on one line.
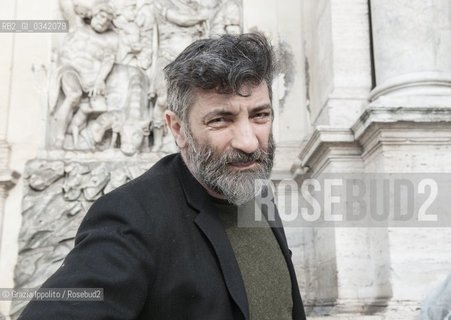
[[217, 121], [262, 115]]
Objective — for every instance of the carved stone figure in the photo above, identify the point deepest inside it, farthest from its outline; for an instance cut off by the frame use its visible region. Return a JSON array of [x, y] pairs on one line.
[[84, 62], [134, 24], [227, 18], [128, 116], [128, 32], [180, 22], [145, 19], [77, 11]]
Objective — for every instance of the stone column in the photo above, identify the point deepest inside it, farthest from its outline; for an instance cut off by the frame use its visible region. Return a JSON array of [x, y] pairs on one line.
[[412, 50], [406, 129], [7, 177], [341, 266], [338, 64]]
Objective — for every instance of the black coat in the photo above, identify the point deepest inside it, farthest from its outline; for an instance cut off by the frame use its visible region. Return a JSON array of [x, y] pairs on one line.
[[158, 252]]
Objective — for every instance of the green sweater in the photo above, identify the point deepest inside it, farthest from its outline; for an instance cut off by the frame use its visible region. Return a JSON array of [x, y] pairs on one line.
[[263, 268]]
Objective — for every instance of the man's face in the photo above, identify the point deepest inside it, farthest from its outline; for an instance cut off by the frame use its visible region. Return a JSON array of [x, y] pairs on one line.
[[229, 141]]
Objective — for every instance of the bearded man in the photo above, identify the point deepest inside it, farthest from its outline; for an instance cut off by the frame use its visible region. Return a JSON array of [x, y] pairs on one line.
[[167, 245]]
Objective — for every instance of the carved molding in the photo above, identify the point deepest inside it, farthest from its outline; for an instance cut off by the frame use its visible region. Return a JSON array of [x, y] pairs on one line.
[[375, 127], [424, 83], [326, 145]]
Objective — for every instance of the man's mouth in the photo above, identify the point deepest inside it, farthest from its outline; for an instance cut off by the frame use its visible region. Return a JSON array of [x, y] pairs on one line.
[[243, 165]]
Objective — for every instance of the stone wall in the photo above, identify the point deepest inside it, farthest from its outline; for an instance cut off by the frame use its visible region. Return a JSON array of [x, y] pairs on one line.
[[394, 118]]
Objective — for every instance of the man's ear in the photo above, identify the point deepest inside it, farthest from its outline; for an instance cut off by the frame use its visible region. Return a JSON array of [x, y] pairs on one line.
[[175, 125]]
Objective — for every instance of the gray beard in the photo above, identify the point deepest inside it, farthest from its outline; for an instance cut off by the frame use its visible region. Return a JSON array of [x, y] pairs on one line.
[[213, 170]]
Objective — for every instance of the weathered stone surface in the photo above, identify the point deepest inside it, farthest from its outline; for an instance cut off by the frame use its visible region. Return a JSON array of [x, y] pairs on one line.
[[51, 215], [411, 60], [380, 271]]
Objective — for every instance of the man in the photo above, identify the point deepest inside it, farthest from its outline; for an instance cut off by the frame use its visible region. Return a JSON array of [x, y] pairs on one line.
[[167, 245]]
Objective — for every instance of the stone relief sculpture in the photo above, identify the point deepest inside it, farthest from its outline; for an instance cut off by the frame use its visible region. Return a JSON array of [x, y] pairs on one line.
[[77, 11], [227, 19], [57, 195], [83, 64], [106, 91], [127, 115], [135, 25], [110, 45]]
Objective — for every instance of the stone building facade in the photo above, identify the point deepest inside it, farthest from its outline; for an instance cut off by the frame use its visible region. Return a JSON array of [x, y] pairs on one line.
[[363, 88]]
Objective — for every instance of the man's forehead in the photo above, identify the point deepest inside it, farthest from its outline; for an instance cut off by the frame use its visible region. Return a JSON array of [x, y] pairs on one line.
[[247, 93]]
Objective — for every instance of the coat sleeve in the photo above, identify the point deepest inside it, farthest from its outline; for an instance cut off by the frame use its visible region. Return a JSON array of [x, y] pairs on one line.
[[113, 251]]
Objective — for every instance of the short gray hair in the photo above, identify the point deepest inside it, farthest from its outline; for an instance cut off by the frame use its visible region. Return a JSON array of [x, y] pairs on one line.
[[225, 64]]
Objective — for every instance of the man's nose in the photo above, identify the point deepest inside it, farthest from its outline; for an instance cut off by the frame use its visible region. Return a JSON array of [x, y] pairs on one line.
[[244, 137]]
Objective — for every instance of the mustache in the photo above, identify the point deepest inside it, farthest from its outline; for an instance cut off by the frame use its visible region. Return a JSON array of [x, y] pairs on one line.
[[263, 156], [233, 156]]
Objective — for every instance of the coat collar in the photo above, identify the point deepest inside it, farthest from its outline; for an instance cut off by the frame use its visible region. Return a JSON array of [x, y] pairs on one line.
[[209, 223]]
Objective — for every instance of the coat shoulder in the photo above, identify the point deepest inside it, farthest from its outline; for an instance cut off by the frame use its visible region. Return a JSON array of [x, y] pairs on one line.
[[160, 178], [143, 201]]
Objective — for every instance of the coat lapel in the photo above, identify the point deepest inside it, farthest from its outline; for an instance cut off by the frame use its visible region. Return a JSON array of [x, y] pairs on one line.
[[212, 228]]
